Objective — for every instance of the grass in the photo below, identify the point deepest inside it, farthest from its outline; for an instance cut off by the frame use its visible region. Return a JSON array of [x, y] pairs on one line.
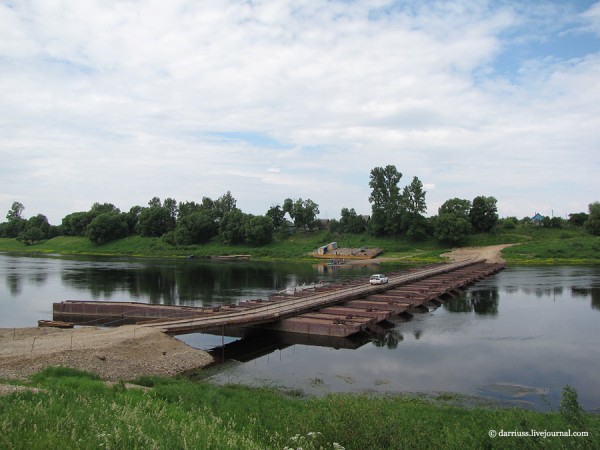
[[294, 247], [536, 245], [76, 410]]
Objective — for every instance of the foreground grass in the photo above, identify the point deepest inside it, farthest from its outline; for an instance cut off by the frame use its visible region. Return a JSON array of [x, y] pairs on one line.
[[535, 245], [76, 410]]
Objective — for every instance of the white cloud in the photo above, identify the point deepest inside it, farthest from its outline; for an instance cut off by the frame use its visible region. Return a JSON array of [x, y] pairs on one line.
[[122, 101]]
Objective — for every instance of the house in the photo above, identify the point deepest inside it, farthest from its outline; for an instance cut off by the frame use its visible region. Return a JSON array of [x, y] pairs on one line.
[[537, 219]]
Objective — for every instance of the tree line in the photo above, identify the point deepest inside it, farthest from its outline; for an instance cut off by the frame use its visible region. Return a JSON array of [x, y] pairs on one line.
[[395, 211]]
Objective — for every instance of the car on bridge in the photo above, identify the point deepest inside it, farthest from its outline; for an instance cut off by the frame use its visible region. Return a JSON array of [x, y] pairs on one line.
[[378, 278]]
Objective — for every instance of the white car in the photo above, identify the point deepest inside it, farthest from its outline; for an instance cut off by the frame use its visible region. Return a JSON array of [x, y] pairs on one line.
[[378, 278]]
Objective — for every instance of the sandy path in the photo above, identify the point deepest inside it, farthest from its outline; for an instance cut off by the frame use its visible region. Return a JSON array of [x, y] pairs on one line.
[[114, 354]]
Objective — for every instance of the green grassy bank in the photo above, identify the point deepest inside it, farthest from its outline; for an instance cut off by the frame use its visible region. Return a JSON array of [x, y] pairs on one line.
[[76, 410], [535, 246]]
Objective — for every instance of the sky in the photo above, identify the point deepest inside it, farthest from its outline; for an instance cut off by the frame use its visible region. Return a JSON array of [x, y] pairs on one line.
[[120, 101]]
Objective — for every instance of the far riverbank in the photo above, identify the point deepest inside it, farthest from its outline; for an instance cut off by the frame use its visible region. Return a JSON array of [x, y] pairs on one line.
[[535, 246]]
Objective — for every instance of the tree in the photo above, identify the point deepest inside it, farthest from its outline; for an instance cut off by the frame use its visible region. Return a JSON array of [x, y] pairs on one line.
[[35, 229], [171, 206], [456, 205], [132, 218], [451, 227], [159, 218], [277, 216], [225, 204], [40, 222], [592, 224], [155, 221], [418, 227], [75, 224], [187, 208], [453, 223], [483, 213], [195, 228], [259, 230], [350, 222], [578, 219], [413, 197], [232, 227], [302, 212], [15, 224], [106, 227], [98, 208], [413, 207], [15, 211], [30, 236], [386, 200]]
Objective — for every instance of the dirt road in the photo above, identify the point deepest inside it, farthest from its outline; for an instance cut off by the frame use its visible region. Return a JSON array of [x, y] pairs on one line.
[[491, 253]]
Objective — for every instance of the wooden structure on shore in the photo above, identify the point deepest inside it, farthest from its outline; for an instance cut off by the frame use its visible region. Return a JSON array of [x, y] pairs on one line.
[[338, 310]]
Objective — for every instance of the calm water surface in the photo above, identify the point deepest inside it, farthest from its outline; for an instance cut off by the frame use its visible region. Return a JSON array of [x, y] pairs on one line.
[[518, 336]]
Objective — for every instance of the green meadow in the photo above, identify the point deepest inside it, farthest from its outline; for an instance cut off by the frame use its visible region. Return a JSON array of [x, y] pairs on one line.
[[72, 409]]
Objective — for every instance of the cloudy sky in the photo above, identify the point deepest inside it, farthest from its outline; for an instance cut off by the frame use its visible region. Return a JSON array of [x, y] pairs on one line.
[[121, 100]]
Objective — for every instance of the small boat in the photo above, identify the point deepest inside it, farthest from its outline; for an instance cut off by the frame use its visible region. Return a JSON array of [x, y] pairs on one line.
[[55, 324]]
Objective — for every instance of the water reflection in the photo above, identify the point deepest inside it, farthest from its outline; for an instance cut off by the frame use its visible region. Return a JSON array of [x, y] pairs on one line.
[[389, 339], [482, 301], [592, 292], [170, 282]]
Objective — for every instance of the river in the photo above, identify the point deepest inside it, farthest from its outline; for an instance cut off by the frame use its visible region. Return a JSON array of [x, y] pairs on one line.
[[518, 337]]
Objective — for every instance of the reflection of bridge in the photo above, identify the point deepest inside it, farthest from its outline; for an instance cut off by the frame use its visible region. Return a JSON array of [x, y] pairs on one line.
[[333, 310]]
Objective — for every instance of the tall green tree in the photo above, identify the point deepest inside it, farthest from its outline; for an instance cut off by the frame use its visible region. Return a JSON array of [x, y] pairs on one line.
[[385, 199], [15, 224], [413, 197], [483, 213], [15, 212], [414, 206]]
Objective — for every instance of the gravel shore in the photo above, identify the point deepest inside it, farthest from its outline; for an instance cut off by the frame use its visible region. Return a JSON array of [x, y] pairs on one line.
[[114, 354]]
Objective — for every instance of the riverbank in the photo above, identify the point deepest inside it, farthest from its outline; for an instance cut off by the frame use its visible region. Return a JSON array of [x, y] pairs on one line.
[[537, 245], [122, 353]]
